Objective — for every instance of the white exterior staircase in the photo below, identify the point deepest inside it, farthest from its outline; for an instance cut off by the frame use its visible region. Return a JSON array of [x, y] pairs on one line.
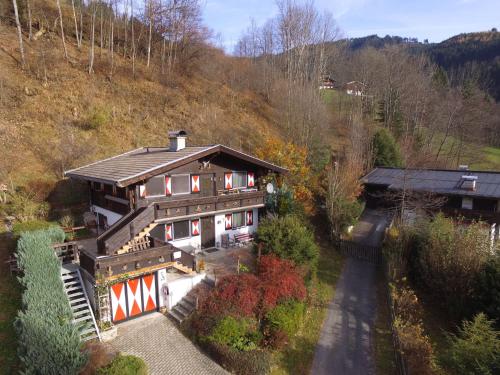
[[83, 316]]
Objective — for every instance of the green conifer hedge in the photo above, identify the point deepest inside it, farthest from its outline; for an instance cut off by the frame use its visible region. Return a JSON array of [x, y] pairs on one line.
[[48, 342]]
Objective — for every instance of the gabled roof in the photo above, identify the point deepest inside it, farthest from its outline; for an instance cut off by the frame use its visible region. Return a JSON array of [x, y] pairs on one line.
[[136, 165], [439, 181]]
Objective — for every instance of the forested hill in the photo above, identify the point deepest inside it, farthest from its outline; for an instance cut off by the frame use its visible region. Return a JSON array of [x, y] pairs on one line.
[[479, 52]]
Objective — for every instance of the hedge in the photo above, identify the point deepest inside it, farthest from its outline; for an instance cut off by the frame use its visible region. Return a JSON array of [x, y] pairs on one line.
[[251, 362], [48, 341]]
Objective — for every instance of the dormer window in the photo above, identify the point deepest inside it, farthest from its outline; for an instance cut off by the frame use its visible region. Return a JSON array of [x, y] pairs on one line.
[[469, 183]]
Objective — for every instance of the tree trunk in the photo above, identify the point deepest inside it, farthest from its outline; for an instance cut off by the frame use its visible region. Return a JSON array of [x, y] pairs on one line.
[[150, 11], [92, 40], [19, 33], [76, 24], [30, 29], [111, 37], [62, 29], [133, 37]]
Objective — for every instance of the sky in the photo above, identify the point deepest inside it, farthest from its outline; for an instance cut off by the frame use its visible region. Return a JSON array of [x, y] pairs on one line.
[[435, 20]]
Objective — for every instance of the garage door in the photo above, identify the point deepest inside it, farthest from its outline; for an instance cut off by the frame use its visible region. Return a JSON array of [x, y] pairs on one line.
[[134, 297]]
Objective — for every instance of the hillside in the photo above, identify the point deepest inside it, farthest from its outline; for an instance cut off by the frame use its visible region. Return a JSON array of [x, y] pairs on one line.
[[481, 49], [69, 117]]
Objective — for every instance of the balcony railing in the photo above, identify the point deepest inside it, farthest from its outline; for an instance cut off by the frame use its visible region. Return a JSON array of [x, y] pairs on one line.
[[152, 258]]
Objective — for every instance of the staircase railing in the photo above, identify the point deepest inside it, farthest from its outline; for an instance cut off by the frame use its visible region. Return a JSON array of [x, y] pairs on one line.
[[125, 230]]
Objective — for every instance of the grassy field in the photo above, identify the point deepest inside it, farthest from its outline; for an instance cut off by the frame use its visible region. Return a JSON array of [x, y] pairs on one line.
[[10, 301], [298, 356]]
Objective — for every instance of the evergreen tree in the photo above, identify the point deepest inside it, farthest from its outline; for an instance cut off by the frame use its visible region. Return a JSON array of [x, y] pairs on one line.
[[386, 150]]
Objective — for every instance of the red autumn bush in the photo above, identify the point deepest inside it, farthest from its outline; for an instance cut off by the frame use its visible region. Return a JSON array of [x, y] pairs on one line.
[[236, 295], [247, 295], [280, 281]]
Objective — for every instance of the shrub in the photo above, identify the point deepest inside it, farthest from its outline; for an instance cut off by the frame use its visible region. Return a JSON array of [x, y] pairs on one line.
[[30, 226], [415, 344], [386, 150], [448, 258], [22, 205], [280, 282], [476, 348], [48, 341], [239, 334], [287, 237], [487, 289], [96, 119], [252, 362], [125, 365], [416, 347], [236, 295], [286, 317]]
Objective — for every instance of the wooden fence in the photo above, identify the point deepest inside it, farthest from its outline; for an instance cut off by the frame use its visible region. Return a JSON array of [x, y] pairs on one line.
[[372, 254]]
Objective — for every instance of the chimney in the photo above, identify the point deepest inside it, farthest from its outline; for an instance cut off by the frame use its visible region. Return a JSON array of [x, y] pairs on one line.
[[177, 140]]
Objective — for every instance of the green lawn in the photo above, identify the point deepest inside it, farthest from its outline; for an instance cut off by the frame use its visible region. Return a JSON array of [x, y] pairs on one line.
[[477, 157], [298, 356], [10, 301]]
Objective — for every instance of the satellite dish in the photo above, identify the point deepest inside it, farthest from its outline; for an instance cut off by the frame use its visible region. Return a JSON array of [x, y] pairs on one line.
[[270, 188]]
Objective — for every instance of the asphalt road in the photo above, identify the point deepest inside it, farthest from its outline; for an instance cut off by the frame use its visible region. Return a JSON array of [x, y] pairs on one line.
[[345, 344]]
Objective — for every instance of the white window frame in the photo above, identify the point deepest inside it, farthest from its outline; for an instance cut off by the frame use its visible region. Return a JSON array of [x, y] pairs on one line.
[[246, 180], [173, 230], [157, 195], [189, 183]]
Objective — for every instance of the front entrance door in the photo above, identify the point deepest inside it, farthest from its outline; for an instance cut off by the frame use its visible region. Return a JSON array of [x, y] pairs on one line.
[[207, 185], [207, 232]]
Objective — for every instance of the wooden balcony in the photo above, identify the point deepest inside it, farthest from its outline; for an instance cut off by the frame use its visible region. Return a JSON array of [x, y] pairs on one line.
[[110, 267], [204, 205]]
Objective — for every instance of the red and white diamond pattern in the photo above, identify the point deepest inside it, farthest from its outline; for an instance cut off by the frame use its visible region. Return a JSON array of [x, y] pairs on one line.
[[195, 184], [251, 179], [228, 221], [142, 191], [149, 292], [118, 302], [168, 185], [195, 227], [249, 217], [134, 297], [228, 180], [168, 232]]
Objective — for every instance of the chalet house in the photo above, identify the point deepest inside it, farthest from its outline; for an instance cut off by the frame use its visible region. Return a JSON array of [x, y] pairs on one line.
[[354, 88], [462, 193], [327, 83], [156, 207]]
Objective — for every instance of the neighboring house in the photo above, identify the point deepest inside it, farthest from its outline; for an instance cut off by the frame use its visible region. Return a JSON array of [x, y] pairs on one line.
[[327, 83], [460, 193], [354, 88], [156, 207]]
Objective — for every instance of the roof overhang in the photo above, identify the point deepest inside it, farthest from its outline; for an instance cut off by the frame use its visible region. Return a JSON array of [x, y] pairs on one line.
[[217, 149]]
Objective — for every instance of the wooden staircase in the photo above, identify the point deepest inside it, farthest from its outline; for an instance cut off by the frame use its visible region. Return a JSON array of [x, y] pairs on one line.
[[83, 316], [139, 242], [183, 268]]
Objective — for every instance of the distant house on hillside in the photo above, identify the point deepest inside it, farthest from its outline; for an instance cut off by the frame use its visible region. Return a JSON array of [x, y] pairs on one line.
[[472, 195], [354, 88], [327, 83]]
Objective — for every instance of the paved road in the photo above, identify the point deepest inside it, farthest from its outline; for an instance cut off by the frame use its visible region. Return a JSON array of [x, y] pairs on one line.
[[155, 339], [345, 344]]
